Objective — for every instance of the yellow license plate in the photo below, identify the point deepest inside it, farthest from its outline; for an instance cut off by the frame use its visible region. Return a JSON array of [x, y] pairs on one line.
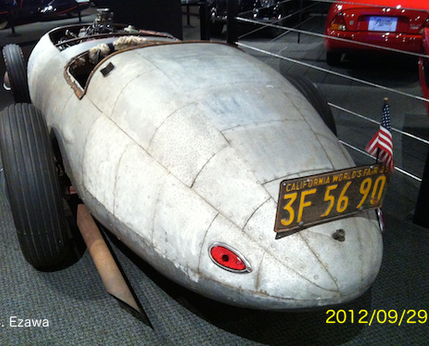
[[311, 200]]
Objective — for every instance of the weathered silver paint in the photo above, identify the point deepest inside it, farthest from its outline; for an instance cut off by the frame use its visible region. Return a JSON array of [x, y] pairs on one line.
[[184, 145]]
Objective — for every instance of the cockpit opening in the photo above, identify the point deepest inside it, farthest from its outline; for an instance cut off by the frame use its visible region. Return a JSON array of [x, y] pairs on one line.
[[96, 42]]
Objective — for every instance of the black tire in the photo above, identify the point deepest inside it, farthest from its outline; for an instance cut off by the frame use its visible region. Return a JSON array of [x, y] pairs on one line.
[[216, 28], [17, 71], [4, 21], [333, 58], [33, 187], [317, 100]]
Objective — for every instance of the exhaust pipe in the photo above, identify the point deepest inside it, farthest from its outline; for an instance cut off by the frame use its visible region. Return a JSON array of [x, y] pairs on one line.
[[109, 271]]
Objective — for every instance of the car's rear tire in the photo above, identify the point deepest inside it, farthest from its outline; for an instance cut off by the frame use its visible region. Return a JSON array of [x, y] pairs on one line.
[[216, 28], [315, 97], [33, 187], [16, 68]]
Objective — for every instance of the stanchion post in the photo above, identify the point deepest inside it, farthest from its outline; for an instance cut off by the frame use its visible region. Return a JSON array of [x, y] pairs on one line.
[[421, 213], [204, 21], [231, 22], [79, 13], [300, 20], [11, 18]]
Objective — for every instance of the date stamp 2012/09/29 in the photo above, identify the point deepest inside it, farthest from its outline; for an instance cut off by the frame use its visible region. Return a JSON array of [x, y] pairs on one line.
[[377, 316]]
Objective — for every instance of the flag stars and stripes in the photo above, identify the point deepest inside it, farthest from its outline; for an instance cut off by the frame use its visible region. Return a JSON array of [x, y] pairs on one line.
[[381, 145]]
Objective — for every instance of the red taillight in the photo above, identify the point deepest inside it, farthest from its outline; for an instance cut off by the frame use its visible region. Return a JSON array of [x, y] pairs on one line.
[[228, 258], [338, 23]]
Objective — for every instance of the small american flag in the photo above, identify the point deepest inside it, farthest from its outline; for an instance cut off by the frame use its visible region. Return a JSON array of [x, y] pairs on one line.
[[381, 145]]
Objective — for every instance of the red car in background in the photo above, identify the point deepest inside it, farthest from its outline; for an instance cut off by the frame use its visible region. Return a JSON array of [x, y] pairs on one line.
[[393, 24]]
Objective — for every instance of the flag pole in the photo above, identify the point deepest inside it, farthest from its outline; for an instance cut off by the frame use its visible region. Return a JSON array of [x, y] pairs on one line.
[[381, 146], [385, 102]]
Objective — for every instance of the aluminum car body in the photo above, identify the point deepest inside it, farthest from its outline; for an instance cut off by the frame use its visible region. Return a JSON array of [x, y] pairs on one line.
[[183, 145]]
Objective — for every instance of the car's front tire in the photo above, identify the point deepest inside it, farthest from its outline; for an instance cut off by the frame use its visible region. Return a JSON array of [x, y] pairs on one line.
[[32, 186]]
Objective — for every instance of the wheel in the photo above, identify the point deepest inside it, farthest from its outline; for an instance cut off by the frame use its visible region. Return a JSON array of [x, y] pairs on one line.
[[333, 58], [216, 28], [32, 186], [4, 21], [317, 100], [17, 72]]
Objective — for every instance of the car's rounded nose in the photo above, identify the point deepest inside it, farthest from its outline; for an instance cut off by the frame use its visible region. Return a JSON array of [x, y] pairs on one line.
[[316, 267], [310, 268]]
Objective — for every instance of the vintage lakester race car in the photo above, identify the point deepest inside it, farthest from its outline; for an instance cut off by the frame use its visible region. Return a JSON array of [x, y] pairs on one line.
[[223, 175]]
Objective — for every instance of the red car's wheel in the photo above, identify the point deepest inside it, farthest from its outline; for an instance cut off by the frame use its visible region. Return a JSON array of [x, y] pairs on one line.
[[333, 58]]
